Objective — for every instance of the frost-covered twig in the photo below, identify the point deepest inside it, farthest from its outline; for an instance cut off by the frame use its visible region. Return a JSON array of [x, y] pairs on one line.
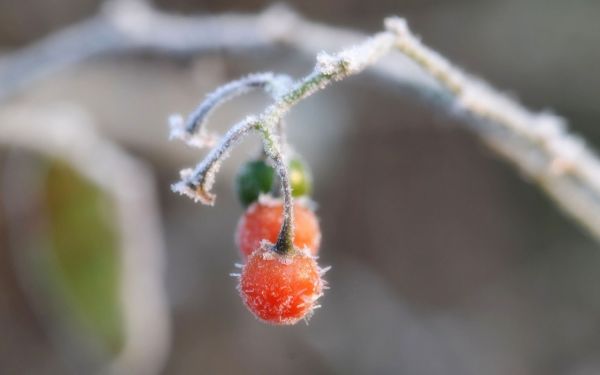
[[128, 25], [273, 148], [197, 183], [538, 144], [192, 130], [66, 133]]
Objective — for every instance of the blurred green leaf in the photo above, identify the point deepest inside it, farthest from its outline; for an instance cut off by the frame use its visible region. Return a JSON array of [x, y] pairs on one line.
[[83, 264]]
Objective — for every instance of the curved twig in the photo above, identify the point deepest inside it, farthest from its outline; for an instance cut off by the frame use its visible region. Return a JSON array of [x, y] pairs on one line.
[[538, 144], [192, 130]]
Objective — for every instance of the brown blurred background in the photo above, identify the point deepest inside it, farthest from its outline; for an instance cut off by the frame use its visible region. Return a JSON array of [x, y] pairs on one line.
[[445, 260]]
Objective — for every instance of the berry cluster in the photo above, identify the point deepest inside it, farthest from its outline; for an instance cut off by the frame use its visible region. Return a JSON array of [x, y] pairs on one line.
[[279, 287], [278, 236]]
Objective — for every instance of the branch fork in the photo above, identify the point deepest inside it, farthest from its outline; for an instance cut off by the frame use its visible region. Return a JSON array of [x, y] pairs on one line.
[[197, 183], [539, 144]]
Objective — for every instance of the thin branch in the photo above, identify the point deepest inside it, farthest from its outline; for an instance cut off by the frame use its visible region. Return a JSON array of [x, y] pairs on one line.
[[273, 147], [197, 183], [538, 144], [192, 131], [67, 133], [329, 68], [127, 25]]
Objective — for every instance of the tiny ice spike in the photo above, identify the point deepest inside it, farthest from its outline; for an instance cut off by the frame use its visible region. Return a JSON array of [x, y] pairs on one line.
[[281, 289]]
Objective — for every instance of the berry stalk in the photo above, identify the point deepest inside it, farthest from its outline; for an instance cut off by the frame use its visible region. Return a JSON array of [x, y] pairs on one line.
[[273, 148], [196, 119], [198, 182]]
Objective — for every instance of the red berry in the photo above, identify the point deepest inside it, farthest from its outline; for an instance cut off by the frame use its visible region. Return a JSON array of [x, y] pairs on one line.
[[280, 289], [262, 221]]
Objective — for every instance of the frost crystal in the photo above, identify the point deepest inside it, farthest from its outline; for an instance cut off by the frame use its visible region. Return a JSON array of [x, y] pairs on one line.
[[179, 131], [191, 189], [278, 86], [327, 63], [354, 59], [176, 129]]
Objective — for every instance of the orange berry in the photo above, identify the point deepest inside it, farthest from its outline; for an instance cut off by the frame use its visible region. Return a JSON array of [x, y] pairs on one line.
[[262, 221], [281, 288]]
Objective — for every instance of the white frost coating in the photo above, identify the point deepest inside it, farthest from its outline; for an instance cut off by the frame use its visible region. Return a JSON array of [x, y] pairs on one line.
[[264, 244], [279, 85], [192, 130], [477, 97], [268, 200], [327, 63], [398, 25], [198, 182], [140, 25], [548, 125], [201, 139], [182, 187], [539, 144], [412, 46], [133, 17], [355, 59], [223, 94], [470, 96], [197, 185], [277, 21], [267, 255], [176, 128]]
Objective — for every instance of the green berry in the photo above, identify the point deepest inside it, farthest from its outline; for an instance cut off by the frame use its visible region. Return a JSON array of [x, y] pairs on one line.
[[300, 178], [254, 177]]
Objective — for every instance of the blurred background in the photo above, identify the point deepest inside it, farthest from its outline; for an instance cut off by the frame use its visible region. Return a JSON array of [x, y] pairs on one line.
[[445, 260]]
